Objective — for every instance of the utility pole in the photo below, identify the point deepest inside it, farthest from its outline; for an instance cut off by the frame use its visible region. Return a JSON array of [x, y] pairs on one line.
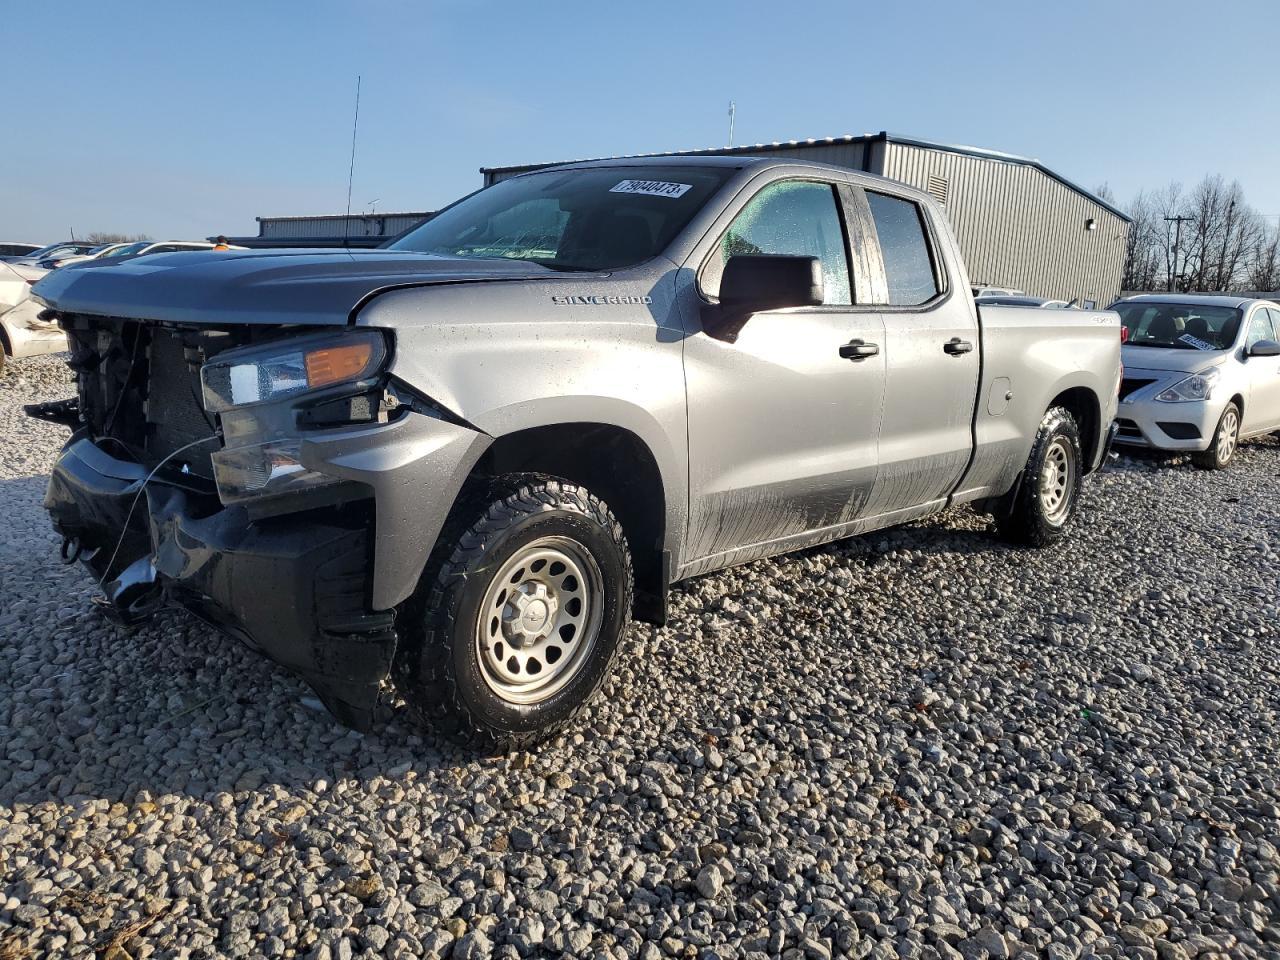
[[1178, 221], [733, 108]]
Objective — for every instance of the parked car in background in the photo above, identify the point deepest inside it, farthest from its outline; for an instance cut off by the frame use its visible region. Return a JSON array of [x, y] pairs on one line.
[[24, 332], [1008, 300], [464, 461], [1201, 373], [54, 251], [106, 250], [984, 291], [14, 285], [142, 248], [11, 250]]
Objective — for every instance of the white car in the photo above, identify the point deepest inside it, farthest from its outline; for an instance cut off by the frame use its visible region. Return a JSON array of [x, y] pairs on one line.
[[22, 332], [1201, 373], [97, 253], [143, 247], [54, 251]]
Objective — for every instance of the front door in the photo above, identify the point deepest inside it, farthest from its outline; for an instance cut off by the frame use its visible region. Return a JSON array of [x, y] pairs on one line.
[[783, 422], [1262, 409]]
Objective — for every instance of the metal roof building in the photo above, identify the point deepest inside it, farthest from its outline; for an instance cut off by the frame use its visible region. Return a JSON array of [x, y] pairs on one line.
[[356, 230], [1019, 224]]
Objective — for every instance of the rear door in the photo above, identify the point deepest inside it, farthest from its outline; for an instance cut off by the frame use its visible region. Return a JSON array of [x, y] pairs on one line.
[[932, 356], [1262, 411], [783, 422]]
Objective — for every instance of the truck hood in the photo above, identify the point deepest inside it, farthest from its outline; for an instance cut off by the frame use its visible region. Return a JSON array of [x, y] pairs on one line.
[[217, 288], [1170, 359]]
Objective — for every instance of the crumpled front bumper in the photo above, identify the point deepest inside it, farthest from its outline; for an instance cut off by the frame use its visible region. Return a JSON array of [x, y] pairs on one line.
[[314, 588]]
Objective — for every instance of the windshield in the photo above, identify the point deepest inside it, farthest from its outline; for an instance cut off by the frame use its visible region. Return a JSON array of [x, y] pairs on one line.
[[585, 219], [1179, 326], [130, 248]]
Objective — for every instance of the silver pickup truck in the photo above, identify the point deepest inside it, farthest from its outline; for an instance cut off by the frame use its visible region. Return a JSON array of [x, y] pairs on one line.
[[461, 463]]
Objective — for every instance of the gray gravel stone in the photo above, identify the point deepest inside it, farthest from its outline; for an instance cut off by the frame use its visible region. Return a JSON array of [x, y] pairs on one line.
[[921, 744]]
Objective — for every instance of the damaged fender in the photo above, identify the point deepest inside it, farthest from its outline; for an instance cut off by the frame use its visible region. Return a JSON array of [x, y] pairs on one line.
[[415, 467]]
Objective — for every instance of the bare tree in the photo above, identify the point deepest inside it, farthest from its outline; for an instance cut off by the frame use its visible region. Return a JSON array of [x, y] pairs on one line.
[[100, 238], [1262, 266], [1142, 263]]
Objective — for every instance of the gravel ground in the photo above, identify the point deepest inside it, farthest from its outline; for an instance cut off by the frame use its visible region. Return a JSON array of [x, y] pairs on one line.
[[917, 744]]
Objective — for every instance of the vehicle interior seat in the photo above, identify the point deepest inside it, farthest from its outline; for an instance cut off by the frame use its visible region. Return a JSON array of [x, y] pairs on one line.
[[1198, 327], [1164, 326]]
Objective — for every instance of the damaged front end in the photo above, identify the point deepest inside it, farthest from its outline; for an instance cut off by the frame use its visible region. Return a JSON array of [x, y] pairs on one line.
[[244, 474]]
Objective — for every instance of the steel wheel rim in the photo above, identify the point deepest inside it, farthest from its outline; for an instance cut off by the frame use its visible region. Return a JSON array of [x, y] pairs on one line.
[[1227, 434], [1056, 479], [539, 620]]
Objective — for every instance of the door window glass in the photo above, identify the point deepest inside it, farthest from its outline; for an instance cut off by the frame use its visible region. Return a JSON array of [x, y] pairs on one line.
[[1259, 327], [1275, 323], [791, 217], [904, 247]]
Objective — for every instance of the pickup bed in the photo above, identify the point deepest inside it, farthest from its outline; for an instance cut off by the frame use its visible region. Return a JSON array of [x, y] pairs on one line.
[[461, 463]]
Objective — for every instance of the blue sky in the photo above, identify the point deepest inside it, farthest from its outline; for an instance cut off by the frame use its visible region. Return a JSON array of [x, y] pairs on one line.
[[182, 120]]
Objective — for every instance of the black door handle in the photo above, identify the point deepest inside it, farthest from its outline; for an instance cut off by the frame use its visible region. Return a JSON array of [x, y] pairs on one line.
[[859, 350], [955, 346]]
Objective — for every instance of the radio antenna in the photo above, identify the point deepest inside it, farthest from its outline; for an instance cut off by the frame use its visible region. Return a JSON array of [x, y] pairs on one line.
[[733, 109], [351, 171]]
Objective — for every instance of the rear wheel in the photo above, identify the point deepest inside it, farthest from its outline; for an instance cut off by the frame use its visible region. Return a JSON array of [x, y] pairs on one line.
[[1226, 439], [1046, 500], [521, 614]]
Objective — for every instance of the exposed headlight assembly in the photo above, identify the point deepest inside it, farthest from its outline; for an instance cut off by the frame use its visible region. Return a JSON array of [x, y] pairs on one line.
[[259, 375], [262, 440], [1198, 386]]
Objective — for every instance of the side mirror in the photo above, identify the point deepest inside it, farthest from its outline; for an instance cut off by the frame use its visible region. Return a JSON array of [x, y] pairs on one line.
[[753, 283], [1265, 348]]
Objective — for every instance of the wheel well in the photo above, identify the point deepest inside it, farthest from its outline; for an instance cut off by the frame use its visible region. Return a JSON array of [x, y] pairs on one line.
[[4, 341], [616, 466], [1082, 403], [1239, 402]]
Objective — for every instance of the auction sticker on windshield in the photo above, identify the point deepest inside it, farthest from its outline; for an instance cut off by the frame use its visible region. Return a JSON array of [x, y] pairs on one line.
[[652, 188], [1195, 342]]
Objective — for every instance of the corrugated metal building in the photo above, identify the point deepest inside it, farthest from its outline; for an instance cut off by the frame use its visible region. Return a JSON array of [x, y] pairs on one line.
[[1019, 224], [356, 230]]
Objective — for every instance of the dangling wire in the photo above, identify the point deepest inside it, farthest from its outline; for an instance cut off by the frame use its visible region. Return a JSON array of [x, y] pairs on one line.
[[129, 516]]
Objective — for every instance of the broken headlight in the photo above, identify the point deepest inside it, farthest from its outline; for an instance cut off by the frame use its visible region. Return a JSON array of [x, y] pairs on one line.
[[273, 372], [259, 469]]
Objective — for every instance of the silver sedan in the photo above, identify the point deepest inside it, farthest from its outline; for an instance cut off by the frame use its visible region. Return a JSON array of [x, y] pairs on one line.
[[1201, 373]]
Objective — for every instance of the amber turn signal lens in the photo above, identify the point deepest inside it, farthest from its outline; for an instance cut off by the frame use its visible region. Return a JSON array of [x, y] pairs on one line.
[[336, 364]]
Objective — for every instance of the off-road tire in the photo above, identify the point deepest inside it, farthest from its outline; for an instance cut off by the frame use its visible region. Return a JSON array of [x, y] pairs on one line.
[[439, 670], [1213, 459], [1028, 519]]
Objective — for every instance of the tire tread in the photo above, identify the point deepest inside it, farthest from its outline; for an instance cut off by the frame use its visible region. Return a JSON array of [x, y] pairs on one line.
[[1024, 523], [500, 504]]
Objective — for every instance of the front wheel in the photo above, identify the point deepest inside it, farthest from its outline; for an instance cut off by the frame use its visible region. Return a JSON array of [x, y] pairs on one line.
[[1046, 500], [521, 614], [1225, 441]]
